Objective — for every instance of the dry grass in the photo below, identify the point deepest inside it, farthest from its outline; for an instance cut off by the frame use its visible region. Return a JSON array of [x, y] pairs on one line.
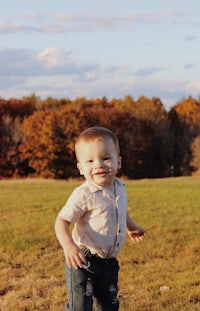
[[31, 282], [31, 261]]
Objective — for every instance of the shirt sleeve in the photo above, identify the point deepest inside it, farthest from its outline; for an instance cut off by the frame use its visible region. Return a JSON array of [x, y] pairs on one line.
[[75, 206]]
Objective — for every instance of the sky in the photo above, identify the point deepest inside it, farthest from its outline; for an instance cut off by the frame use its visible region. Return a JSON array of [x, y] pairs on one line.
[[94, 48]]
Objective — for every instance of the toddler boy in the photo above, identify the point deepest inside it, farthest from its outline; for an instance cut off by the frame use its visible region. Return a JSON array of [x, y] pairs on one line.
[[98, 210]]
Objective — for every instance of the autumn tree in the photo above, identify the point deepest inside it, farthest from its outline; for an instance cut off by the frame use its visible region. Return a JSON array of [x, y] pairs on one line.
[[48, 147], [38, 150], [12, 113], [51, 154], [51, 103], [185, 128], [37, 136], [148, 136], [195, 160]]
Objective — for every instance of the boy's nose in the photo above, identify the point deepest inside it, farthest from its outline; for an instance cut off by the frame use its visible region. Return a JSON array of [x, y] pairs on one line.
[[98, 163]]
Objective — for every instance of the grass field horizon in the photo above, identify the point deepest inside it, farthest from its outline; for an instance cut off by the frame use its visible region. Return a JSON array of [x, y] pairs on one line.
[[161, 273]]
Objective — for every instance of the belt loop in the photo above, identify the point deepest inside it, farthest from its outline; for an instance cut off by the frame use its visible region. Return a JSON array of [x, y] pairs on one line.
[[87, 252]]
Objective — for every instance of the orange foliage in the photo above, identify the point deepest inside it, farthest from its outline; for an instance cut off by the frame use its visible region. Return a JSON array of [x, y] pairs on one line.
[[37, 137]]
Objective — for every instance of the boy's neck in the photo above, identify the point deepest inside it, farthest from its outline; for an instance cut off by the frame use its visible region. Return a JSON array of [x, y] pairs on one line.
[[110, 187]]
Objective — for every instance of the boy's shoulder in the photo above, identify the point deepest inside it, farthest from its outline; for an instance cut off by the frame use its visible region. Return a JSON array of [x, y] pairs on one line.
[[85, 188], [119, 182], [81, 193]]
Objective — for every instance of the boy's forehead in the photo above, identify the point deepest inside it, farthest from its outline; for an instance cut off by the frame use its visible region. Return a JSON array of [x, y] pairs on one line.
[[94, 140], [90, 144]]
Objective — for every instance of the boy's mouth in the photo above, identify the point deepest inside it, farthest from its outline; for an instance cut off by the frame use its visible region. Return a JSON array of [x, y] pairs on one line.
[[100, 174]]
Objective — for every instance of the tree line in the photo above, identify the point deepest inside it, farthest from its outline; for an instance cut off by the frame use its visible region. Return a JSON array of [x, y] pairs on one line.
[[37, 136]]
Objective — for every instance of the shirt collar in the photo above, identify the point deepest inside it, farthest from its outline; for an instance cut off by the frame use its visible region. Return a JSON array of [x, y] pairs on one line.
[[94, 187]]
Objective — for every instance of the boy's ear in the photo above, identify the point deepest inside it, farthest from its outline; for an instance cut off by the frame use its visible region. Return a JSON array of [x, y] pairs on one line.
[[119, 162], [79, 168]]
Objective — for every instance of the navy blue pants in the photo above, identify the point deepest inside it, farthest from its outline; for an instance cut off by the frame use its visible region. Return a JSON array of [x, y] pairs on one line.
[[93, 287]]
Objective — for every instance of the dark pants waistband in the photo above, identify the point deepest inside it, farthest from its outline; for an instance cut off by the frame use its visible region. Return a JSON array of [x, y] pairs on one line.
[[89, 255]]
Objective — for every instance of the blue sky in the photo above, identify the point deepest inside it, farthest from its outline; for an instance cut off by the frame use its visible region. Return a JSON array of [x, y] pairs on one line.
[[94, 48]]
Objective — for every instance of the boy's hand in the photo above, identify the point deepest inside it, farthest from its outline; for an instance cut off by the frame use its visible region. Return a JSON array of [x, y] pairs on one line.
[[137, 234], [74, 256]]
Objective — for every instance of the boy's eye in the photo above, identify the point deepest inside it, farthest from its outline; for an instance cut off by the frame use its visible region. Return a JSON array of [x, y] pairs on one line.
[[106, 158]]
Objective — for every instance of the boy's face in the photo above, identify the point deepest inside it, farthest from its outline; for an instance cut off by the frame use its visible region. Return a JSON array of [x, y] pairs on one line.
[[98, 161]]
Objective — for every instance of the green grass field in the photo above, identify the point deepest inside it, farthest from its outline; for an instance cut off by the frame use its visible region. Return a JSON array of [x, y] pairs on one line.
[[161, 273]]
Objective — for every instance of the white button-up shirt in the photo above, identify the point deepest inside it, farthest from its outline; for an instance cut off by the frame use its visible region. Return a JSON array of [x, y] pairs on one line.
[[99, 217]]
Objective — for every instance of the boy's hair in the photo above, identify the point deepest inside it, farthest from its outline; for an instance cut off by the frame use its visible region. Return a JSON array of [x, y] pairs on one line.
[[92, 133]]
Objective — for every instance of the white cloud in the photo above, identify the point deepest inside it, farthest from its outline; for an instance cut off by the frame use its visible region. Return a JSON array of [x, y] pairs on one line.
[[52, 57], [55, 72], [189, 66], [190, 38], [51, 70], [148, 71], [193, 87], [86, 22], [50, 61], [10, 27], [29, 16]]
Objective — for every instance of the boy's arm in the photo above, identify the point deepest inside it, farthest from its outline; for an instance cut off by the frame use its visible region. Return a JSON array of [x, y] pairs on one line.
[[73, 254], [135, 232]]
